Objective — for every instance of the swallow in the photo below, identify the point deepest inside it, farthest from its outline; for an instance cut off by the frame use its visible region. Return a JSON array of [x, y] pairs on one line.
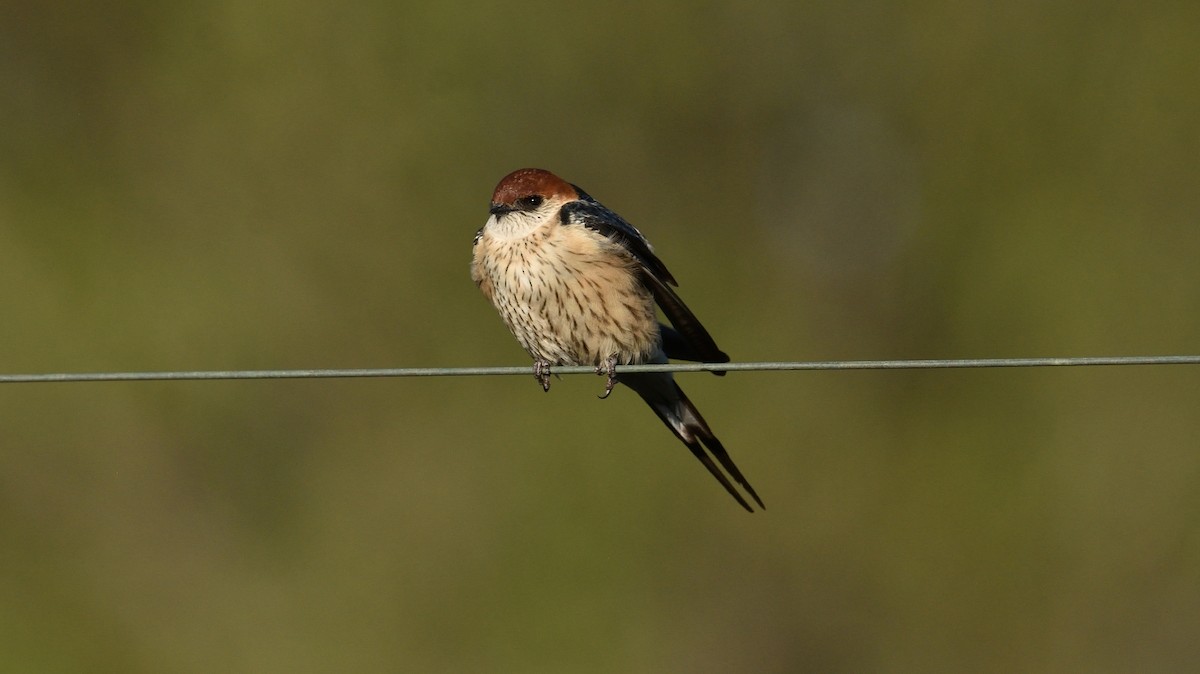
[[576, 284]]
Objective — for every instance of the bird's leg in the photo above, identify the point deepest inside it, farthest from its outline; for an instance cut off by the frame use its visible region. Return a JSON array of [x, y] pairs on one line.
[[608, 367], [541, 372]]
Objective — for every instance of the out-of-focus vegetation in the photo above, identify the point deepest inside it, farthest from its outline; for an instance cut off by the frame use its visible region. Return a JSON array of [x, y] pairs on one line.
[[279, 185]]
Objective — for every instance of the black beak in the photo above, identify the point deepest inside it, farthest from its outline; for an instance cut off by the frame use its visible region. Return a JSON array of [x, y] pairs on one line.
[[500, 209]]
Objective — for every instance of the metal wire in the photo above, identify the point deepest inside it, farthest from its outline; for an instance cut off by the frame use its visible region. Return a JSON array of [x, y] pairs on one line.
[[962, 363]]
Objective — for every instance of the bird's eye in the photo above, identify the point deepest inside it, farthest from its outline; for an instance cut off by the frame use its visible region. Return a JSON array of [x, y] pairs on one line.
[[530, 202]]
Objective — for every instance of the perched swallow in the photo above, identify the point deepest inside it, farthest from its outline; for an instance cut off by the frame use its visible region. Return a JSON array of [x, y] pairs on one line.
[[577, 285]]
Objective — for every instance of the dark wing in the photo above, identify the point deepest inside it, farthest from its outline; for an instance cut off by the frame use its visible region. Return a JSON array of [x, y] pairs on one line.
[[689, 340]]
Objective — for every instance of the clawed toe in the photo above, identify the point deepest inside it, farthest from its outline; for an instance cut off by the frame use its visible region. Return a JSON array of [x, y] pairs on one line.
[[608, 367], [541, 372]]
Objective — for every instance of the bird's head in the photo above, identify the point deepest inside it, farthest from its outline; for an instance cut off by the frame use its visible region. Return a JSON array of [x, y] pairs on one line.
[[527, 199]]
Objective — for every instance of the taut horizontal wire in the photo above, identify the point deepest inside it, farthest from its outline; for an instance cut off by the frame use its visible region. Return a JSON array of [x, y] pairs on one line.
[[580, 369]]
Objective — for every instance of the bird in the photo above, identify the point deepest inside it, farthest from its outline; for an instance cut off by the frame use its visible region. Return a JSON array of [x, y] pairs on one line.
[[576, 284]]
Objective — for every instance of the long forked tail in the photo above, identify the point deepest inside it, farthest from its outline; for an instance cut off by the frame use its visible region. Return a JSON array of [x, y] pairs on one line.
[[679, 414]]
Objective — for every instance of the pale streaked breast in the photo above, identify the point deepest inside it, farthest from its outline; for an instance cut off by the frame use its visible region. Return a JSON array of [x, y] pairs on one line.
[[569, 295]]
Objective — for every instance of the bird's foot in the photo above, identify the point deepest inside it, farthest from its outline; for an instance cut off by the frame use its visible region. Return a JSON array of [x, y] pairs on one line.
[[541, 372], [608, 367]]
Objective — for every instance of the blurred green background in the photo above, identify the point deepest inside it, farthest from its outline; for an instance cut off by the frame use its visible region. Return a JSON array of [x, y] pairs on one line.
[[290, 185]]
